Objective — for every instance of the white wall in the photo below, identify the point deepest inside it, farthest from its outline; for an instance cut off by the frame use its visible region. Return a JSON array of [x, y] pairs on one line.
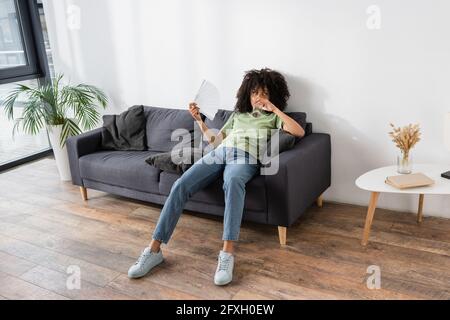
[[351, 81]]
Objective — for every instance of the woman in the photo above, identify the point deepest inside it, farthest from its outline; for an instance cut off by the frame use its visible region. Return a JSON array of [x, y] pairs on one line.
[[261, 100]]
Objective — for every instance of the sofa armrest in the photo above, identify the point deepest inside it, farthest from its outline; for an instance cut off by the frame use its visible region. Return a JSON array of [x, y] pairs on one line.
[[78, 146], [304, 173]]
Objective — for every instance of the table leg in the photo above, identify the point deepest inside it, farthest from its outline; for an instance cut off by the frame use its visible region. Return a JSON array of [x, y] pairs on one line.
[[420, 211], [369, 217]]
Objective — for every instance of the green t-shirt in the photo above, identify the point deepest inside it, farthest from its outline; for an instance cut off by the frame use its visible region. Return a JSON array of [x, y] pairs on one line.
[[250, 130]]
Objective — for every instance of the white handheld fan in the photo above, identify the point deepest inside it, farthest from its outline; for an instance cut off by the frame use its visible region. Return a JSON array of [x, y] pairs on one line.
[[208, 99]]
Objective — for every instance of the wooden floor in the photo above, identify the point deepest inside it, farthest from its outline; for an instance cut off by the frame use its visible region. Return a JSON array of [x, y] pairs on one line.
[[45, 228]]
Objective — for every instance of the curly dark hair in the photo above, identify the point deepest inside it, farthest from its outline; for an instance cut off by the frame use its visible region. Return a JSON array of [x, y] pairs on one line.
[[265, 78]]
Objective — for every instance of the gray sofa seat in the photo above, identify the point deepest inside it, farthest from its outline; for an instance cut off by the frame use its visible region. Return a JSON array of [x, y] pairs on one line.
[[126, 169], [255, 189]]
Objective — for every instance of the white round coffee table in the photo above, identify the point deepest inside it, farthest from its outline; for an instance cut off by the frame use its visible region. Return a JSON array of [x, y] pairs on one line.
[[374, 181]]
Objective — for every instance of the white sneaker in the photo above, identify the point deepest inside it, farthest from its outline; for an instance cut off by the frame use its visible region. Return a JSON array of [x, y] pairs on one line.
[[224, 271], [146, 262]]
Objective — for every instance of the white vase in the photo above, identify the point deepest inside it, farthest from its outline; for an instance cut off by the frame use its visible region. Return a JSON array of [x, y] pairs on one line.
[[61, 156]]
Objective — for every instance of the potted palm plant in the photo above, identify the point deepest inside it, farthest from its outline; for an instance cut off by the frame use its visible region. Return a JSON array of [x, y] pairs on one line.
[[64, 110]]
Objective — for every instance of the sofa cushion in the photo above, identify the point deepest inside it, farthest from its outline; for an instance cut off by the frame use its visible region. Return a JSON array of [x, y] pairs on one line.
[[219, 119], [125, 132], [126, 169], [308, 129], [255, 198], [161, 123], [178, 162], [223, 115], [285, 142], [300, 117]]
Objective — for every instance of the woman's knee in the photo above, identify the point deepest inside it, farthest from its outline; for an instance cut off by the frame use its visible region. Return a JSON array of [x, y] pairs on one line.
[[179, 185], [233, 181]]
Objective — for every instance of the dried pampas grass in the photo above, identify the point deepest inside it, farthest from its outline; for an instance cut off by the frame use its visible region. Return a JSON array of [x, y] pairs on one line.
[[405, 138]]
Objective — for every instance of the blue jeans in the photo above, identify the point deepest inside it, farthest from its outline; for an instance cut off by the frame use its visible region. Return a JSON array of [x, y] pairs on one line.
[[237, 171]]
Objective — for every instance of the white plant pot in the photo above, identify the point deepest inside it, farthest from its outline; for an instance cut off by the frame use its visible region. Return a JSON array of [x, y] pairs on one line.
[[61, 156]]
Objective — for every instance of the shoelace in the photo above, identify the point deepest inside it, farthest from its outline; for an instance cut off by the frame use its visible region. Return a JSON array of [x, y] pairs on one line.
[[142, 257], [224, 263]]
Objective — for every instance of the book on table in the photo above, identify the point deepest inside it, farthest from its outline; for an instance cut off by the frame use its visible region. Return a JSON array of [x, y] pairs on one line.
[[409, 181]]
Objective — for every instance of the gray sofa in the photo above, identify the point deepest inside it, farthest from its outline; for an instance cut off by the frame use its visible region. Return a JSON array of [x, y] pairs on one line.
[[278, 200]]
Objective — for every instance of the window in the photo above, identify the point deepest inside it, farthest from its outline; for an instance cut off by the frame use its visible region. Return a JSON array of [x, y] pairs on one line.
[[22, 51], [24, 55], [12, 53], [22, 145], [48, 50]]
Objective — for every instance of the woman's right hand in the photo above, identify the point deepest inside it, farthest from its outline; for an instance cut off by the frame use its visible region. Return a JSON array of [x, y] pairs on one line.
[[195, 111]]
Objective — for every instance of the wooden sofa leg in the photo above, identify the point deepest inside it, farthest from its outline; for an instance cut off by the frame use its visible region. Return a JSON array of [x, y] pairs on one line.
[[83, 192], [282, 235], [320, 201]]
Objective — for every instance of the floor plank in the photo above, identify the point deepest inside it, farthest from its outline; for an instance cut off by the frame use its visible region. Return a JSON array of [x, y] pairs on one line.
[[144, 289], [34, 255], [13, 265], [13, 288], [57, 282]]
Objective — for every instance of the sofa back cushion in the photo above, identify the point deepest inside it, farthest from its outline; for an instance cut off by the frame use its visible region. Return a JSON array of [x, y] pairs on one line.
[[161, 123], [219, 119], [223, 115], [300, 117]]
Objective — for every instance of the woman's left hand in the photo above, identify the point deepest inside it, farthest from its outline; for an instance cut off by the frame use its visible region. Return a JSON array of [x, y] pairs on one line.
[[265, 104]]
